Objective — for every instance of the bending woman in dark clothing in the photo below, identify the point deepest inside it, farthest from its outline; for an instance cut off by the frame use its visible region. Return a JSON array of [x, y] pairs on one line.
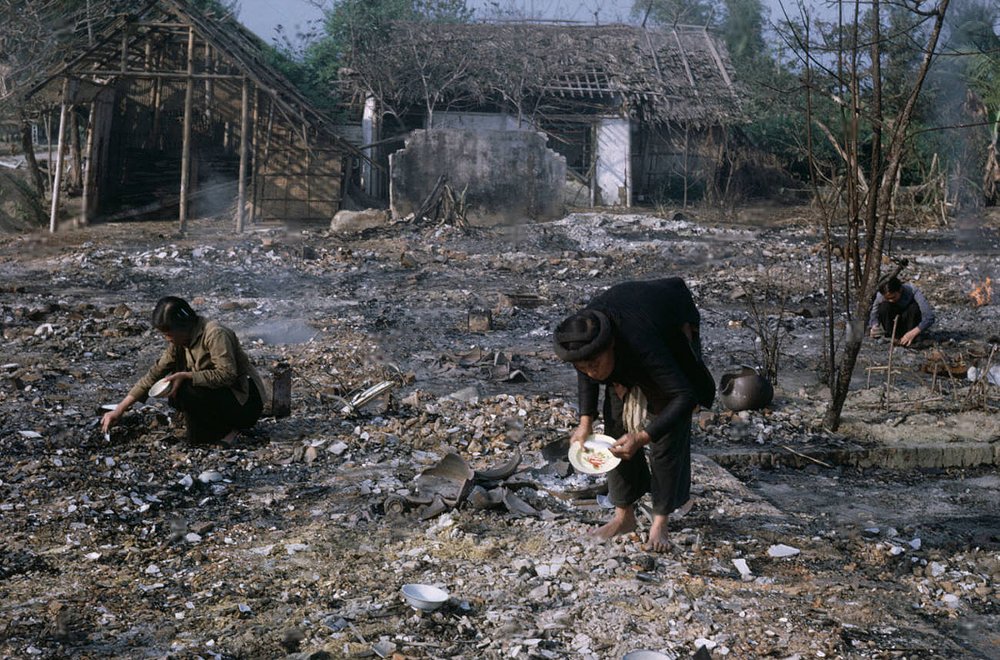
[[212, 380], [640, 340]]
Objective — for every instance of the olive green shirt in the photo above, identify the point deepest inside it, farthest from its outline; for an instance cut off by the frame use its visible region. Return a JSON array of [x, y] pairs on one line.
[[214, 358]]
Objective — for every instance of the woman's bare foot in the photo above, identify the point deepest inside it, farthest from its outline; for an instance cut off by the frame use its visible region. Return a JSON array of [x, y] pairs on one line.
[[622, 522], [659, 539]]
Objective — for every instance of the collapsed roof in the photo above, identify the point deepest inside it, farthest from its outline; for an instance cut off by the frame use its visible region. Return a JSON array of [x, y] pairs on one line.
[[680, 74], [117, 51]]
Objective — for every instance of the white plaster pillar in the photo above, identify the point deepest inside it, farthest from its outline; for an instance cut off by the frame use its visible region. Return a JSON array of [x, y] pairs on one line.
[[614, 161], [369, 130]]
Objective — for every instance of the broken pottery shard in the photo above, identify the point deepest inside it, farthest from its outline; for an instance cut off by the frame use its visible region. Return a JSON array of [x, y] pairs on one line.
[[500, 472], [450, 479], [519, 507], [384, 649], [434, 509], [742, 567], [479, 498], [781, 550]]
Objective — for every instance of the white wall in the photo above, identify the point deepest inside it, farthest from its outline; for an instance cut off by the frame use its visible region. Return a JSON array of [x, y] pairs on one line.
[[479, 121], [614, 162]]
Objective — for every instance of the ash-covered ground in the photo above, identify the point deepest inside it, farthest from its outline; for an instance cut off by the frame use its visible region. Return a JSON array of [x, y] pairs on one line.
[[297, 543]]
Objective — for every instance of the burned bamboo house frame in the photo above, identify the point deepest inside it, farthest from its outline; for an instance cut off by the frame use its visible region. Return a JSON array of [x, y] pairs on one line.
[[180, 101], [638, 113]]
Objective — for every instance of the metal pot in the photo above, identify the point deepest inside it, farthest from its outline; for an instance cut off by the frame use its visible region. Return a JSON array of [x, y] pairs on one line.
[[745, 390]]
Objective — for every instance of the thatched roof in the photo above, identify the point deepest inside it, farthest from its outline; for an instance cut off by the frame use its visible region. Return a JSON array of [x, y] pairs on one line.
[[237, 54], [681, 74]]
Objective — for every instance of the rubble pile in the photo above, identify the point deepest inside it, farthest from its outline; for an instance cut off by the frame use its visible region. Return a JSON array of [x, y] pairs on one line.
[[425, 445]]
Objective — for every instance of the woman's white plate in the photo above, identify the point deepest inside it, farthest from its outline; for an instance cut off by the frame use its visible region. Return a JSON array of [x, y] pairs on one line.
[[161, 387], [594, 456]]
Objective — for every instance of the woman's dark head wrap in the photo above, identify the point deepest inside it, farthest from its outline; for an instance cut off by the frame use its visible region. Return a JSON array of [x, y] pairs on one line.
[[582, 336]]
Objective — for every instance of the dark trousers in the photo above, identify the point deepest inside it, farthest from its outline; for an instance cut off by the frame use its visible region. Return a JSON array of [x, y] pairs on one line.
[[909, 317], [211, 413], [666, 476]]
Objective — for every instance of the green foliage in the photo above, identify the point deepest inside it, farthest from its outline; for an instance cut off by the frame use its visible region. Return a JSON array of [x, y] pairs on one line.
[[743, 30]]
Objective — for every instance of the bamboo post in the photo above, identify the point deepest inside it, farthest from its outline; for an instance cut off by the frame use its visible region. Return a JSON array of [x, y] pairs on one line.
[[209, 84], [57, 181], [76, 169], [687, 153], [88, 167], [48, 146], [254, 156], [186, 144], [241, 197], [263, 169]]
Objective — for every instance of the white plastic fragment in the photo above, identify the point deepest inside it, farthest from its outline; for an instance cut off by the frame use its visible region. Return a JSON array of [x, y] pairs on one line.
[[209, 476], [742, 567], [781, 550]]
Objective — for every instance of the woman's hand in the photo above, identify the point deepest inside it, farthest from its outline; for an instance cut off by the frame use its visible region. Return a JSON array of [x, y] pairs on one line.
[[111, 418], [176, 380], [583, 430], [908, 338], [630, 444]]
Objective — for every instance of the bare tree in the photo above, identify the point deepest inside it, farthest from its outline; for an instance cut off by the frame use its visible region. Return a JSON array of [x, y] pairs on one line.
[[871, 157]]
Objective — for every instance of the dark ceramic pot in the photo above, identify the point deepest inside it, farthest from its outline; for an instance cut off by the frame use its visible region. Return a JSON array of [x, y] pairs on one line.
[[745, 390]]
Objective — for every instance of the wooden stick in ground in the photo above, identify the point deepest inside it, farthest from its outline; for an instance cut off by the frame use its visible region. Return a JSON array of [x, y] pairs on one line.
[[888, 373], [432, 199], [808, 458]]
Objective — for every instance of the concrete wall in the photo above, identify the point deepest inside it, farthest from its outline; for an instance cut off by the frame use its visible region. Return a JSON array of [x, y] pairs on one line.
[[477, 121], [614, 162], [512, 177]]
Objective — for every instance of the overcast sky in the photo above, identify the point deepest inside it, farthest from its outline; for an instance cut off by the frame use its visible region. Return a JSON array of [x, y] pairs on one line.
[[263, 16]]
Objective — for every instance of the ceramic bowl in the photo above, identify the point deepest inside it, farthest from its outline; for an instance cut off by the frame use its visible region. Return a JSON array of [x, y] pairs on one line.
[[161, 388], [424, 597], [646, 655], [593, 456]]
